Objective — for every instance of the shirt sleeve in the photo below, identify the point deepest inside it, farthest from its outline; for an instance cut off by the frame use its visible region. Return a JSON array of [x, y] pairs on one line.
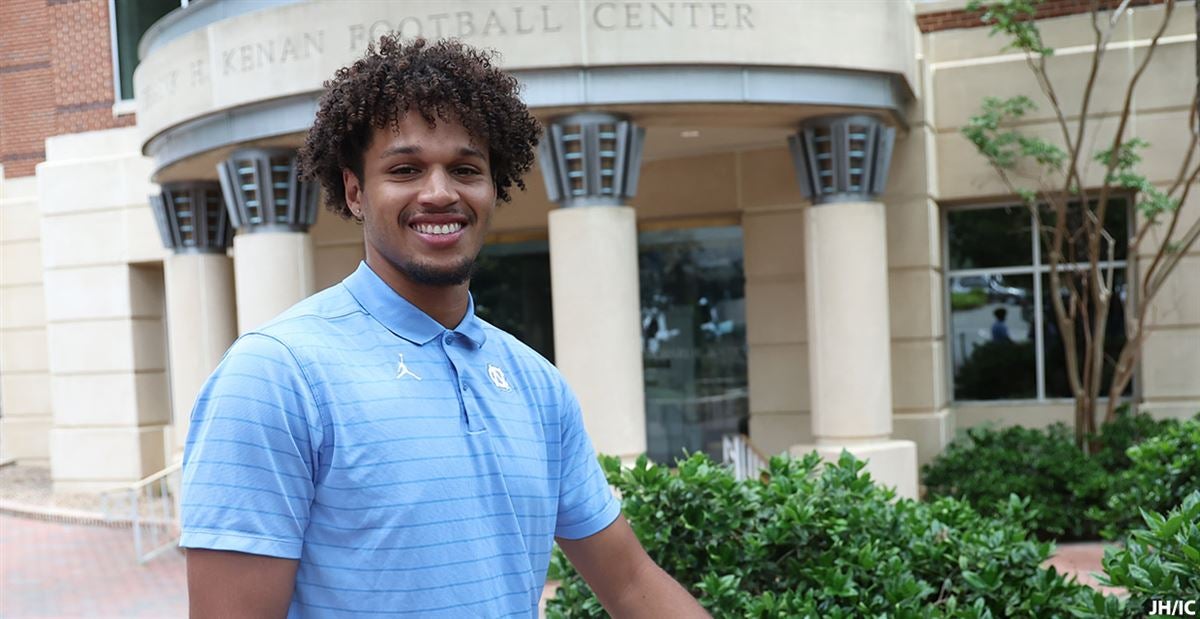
[[252, 452], [586, 504]]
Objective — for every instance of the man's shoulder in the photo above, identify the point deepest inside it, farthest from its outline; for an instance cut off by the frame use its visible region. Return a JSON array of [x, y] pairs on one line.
[[311, 321], [313, 317]]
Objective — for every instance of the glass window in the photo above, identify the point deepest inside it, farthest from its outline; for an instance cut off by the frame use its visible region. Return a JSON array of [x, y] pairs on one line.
[[693, 328], [1004, 340], [693, 339], [993, 337], [511, 287], [131, 19], [994, 237]]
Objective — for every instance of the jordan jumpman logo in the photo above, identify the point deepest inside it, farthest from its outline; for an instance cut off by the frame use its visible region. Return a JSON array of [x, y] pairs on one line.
[[402, 370]]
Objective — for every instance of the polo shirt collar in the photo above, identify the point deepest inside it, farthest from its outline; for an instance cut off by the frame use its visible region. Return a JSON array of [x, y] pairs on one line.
[[402, 317]]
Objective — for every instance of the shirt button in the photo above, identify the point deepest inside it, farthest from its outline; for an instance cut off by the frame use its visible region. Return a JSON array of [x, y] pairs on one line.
[[449, 337], [464, 388]]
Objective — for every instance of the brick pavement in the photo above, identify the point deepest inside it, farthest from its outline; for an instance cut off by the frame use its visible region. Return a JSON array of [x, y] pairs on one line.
[[1083, 560], [50, 569]]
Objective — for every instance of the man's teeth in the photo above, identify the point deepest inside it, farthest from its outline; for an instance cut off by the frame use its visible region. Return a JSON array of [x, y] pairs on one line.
[[438, 229]]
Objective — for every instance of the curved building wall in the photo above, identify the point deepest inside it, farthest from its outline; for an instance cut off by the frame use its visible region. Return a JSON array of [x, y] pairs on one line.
[[291, 48]]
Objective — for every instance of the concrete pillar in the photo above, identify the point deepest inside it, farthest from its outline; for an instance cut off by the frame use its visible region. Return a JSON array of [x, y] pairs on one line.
[[597, 340], [850, 367], [201, 325], [590, 163], [25, 412], [198, 279], [273, 270], [272, 210], [841, 164], [920, 386], [104, 304]]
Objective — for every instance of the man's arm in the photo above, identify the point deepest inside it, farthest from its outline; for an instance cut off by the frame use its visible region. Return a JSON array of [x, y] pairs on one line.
[[233, 585], [624, 578], [247, 481]]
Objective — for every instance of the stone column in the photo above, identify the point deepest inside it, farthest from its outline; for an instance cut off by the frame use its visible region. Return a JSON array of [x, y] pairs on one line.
[[841, 164], [26, 415], [198, 276], [590, 163], [105, 304], [272, 253]]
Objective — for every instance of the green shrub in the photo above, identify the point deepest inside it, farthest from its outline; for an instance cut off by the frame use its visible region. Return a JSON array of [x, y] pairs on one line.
[[968, 299], [1161, 561], [809, 540], [1044, 466], [1073, 495], [1162, 471], [1117, 436]]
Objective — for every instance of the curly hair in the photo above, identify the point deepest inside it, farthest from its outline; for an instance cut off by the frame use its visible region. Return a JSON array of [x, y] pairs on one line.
[[440, 80]]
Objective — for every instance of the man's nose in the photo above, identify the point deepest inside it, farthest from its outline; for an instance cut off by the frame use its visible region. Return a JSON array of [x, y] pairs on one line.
[[438, 189]]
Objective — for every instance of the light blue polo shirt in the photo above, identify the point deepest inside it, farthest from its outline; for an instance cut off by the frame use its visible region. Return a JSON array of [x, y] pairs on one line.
[[413, 470]]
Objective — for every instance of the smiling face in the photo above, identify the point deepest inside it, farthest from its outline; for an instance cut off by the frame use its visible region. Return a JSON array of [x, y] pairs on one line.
[[426, 199]]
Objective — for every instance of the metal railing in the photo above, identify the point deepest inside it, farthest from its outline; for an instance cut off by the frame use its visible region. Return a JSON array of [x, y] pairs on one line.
[[745, 459], [151, 509]]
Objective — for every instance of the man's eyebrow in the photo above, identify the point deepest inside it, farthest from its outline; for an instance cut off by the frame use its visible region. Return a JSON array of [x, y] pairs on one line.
[[465, 151], [399, 150]]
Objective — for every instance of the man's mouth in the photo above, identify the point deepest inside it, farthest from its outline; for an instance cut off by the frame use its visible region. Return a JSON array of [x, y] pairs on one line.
[[437, 229]]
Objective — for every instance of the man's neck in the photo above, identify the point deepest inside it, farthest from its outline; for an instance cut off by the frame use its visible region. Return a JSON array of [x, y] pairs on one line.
[[445, 304]]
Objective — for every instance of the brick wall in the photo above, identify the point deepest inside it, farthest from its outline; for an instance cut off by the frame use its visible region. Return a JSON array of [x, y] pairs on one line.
[[960, 18], [56, 76]]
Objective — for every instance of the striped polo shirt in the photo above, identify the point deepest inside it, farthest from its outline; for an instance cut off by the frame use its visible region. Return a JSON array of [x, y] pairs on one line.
[[412, 469]]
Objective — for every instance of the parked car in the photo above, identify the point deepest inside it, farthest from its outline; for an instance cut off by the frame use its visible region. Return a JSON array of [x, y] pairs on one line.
[[994, 286]]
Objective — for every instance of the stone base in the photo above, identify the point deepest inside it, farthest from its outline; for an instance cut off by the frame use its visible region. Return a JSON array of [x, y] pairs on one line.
[[1163, 409], [774, 433], [25, 439], [931, 432], [101, 458], [890, 463]]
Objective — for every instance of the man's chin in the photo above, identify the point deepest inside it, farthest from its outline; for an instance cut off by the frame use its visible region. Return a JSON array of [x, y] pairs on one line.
[[430, 275]]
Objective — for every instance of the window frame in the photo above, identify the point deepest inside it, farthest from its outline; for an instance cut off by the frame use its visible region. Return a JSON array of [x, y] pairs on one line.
[[121, 106], [1036, 269]]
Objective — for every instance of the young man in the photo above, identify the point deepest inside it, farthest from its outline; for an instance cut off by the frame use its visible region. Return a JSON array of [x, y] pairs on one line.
[[999, 329], [378, 449]]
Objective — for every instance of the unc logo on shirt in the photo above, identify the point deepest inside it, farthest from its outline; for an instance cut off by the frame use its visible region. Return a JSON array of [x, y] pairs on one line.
[[498, 379]]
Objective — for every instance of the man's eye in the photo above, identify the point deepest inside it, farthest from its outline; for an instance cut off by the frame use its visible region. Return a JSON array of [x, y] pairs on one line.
[[404, 169], [467, 171]]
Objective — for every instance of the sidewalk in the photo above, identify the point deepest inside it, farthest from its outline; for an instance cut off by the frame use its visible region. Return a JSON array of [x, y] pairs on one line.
[[48, 569], [1082, 559]]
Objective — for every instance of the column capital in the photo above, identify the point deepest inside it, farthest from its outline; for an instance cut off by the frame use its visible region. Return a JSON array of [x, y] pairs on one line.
[[264, 193], [842, 158], [191, 217], [591, 159]]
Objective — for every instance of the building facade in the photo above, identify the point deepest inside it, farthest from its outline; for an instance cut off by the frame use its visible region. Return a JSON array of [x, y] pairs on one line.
[[754, 217]]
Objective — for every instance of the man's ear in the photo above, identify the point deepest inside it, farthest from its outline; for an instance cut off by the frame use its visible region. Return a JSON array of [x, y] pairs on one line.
[[353, 193]]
